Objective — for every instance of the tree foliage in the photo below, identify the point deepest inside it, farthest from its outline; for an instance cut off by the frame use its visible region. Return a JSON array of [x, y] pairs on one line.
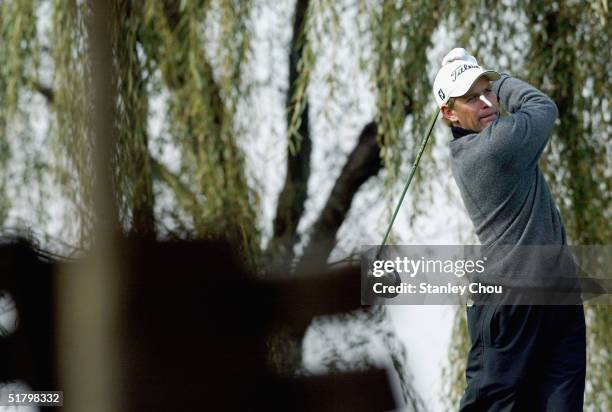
[[186, 87]]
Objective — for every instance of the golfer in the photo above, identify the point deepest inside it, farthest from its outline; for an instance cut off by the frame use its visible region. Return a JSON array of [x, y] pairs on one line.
[[528, 357]]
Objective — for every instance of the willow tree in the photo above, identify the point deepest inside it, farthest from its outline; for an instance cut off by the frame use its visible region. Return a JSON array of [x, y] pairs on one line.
[[190, 64]]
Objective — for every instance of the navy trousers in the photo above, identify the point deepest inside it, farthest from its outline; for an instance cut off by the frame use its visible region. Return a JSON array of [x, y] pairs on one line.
[[525, 358]]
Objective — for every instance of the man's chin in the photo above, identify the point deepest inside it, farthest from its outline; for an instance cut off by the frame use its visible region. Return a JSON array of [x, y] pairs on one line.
[[486, 121]]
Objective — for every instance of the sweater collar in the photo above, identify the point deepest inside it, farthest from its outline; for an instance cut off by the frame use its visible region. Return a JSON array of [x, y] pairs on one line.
[[460, 132]]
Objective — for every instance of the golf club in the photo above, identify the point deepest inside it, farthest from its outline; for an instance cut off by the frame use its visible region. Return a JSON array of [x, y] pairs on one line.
[[415, 164]]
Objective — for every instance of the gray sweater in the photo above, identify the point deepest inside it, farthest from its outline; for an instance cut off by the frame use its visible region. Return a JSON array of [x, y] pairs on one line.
[[503, 189]]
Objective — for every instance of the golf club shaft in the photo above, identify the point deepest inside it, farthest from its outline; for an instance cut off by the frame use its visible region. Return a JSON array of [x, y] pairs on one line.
[[415, 164]]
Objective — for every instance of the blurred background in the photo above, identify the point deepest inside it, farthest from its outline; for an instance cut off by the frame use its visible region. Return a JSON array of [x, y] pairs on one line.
[[286, 128]]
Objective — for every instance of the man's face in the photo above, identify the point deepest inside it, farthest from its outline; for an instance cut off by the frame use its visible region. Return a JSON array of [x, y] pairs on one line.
[[469, 112]]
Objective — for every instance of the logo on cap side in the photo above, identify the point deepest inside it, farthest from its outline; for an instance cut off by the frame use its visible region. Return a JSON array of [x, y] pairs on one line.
[[441, 94]]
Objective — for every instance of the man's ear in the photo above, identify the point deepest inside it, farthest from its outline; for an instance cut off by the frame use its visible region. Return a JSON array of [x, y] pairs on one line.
[[449, 114]]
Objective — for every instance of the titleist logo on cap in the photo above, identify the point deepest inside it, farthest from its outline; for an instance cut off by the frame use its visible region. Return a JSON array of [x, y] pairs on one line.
[[457, 72]]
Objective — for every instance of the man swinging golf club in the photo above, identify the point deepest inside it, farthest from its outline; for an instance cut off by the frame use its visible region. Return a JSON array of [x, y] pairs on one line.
[[528, 357]]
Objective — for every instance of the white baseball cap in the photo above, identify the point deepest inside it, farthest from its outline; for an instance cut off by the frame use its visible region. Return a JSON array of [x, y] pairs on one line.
[[458, 73]]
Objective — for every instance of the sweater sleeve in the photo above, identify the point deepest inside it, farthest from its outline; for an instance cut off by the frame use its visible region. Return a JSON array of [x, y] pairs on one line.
[[519, 139]]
